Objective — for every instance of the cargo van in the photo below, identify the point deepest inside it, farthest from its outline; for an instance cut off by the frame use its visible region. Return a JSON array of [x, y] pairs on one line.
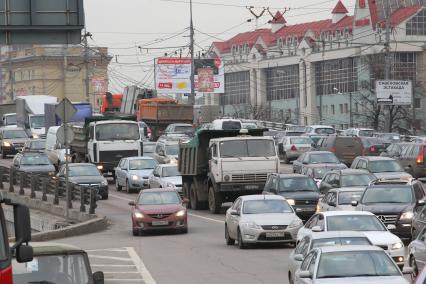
[[54, 150]]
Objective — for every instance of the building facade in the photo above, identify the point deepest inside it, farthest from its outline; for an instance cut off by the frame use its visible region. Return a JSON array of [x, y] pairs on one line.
[[325, 71], [54, 70]]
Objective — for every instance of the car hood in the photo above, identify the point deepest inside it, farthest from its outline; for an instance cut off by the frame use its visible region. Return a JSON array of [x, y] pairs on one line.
[[392, 175], [86, 179], [363, 280], [173, 180], [382, 237], [270, 219], [17, 140], [159, 209], [38, 168], [141, 173], [305, 195], [386, 208]]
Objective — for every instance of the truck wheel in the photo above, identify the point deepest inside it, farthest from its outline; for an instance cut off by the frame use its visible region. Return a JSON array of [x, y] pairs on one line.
[[215, 201], [185, 191], [117, 186], [193, 200]]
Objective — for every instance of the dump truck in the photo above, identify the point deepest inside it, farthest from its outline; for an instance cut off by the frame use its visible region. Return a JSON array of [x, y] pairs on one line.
[[218, 166], [104, 140], [158, 113]]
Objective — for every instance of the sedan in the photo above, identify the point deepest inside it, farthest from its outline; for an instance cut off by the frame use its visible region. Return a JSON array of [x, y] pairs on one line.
[[316, 157], [365, 222], [290, 148], [159, 209], [346, 178], [349, 264], [133, 173], [166, 175], [417, 253], [340, 199], [261, 219], [33, 162], [85, 174], [322, 239]]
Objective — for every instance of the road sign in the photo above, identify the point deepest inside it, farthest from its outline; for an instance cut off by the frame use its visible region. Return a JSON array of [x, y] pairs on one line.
[[60, 134], [65, 110], [394, 92]]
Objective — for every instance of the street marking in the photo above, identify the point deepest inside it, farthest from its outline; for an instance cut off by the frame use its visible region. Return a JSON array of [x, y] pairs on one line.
[[113, 250], [122, 198], [109, 257], [123, 272], [125, 280], [112, 265], [140, 266], [206, 218]]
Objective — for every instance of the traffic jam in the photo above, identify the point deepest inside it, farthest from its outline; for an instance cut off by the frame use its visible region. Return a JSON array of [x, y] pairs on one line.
[[350, 205]]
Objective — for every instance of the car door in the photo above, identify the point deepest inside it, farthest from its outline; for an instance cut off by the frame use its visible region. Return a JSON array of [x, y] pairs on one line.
[[419, 250], [214, 161], [308, 227], [234, 220], [302, 249], [119, 172]]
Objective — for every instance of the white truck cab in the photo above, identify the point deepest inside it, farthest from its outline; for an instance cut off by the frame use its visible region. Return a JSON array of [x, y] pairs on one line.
[[9, 120], [226, 124]]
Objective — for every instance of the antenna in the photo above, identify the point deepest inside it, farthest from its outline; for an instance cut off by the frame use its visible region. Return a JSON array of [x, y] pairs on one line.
[[257, 16]]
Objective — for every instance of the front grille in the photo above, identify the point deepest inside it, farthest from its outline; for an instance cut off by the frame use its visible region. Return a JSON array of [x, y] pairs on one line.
[[274, 227], [388, 219], [178, 185], [89, 184], [305, 202], [262, 237], [250, 177], [116, 156], [159, 216]]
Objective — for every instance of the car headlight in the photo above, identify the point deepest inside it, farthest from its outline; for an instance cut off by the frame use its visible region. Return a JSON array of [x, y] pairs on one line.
[[291, 202], [6, 144], [51, 173], [36, 136], [138, 215], [296, 223], [100, 167], [104, 182], [134, 177], [251, 225], [398, 245], [180, 213], [173, 161], [407, 215], [169, 184]]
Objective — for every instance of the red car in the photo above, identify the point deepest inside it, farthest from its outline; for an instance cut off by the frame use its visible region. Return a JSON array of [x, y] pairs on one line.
[[159, 209]]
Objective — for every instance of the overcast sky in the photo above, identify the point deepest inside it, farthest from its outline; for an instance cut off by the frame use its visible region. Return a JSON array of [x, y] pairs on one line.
[[123, 25]]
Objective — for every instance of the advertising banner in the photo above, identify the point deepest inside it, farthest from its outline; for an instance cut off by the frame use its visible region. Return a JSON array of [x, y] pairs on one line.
[[394, 92]]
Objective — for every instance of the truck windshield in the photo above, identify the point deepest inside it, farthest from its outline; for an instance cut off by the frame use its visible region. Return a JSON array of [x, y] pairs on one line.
[[13, 134], [247, 148], [11, 120], [117, 131], [52, 269], [37, 121]]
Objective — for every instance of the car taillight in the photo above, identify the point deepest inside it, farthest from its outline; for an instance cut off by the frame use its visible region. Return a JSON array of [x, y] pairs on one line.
[[373, 149], [333, 149], [293, 148], [420, 159]]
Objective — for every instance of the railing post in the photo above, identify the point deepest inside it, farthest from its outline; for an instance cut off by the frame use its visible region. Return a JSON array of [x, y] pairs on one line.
[[21, 183], [11, 178], [1, 178], [56, 193], [82, 199], [70, 195], [33, 185], [44, 189], [93, 196]]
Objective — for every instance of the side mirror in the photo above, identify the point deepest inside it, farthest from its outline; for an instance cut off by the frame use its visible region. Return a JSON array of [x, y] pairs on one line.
[[161, 153], [407, 169], [24, 253], [23, 227], [420, 202], [235, 213], [354, 203], [316, 229], [407, 270], [332, 203], [305, 274], [391, 227], [298, 257], [132, 203], [98, 277]]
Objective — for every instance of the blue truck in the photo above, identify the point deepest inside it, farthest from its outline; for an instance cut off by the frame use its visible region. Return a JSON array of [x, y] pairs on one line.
[[51, 119]]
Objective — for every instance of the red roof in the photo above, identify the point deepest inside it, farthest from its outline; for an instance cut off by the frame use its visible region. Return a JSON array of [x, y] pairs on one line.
[[246, 38], [278, 19], [339, 8], [397, 17]]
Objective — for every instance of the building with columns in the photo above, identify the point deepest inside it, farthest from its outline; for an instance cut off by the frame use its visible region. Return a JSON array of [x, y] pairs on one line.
[[325, 71]]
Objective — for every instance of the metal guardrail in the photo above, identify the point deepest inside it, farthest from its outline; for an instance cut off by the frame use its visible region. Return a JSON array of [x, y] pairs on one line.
[[86, 195]]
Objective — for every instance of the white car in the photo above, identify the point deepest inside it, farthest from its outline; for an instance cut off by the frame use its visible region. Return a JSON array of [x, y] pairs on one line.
[[360, 221], [349, 264], [261, 219], [166, 175], [319, 130]]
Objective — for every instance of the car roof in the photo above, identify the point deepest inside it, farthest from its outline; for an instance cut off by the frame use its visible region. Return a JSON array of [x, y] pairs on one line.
[[376, 158], [327, 249], [319, 152], [262, 197], [336, 234], [347, 189], [47, 248], [344, 213], [165, 189], [181, 124], [139, 158], [320, 126], [351, 171], [11, 128], [291, 176], [323, 165], [243, 138]]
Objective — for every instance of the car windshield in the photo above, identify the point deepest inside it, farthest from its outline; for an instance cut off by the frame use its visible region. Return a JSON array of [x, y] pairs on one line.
[[184, 129], [11, 119], [14, 134], [354, 223], [325, 131], [148, 148], [370, 141], [388, 194], [35, 160], [301, 140], [384, 166], [247, 148], [297, 184], [344, 241], [142, 164], [117, 131], [266, 206], [70, 268], [170, 172], [159, 198], [323, 158], [366, 133], [345, 198], [37, 121], [320, 172], [356, 180], [231, 125], [77, 171], [37, 144], [172, 149], [356, 264]]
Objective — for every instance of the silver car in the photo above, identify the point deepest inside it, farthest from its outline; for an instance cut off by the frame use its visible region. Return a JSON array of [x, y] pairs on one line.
[[291, 147], [261, 219], [166, 175], [322, 239], [349, 264], [417, 254], [133, 173], [340, 199]]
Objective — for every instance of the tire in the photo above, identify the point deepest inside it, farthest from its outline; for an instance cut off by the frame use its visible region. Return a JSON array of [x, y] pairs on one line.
[[285, 159], [229, 240], [413, 264], [184, 230], [105, 197], [241, 244], [215, 201], [290, 278], [193, 199], [117, 186], [127, 188], [3, 154], [135, 232]]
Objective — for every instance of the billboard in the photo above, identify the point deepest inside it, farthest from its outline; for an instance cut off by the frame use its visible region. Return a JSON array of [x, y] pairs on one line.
[[394, 92], [173, 75]]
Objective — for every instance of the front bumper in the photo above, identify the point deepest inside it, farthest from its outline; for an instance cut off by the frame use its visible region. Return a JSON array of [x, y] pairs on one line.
[[153, 224], [287, 235], [139, 184], [251, 187]]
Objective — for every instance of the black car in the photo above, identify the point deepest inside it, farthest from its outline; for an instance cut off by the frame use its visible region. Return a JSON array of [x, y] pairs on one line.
[[316, 157], [85, 174], [33, 162], [12, 140], [300, 191], [345, 178], [394, 203]]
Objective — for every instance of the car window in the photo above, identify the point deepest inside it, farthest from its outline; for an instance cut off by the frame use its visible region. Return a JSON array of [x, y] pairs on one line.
[[235, 205], [306, 261], [121, 163], [418, 191], [312, 263], [312, 222], [331, 197], [301, 246], [346, 197]]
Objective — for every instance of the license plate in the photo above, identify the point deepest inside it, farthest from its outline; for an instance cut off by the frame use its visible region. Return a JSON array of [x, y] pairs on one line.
[[251, 186], [304, 209], [160, 223], [275, 235]]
